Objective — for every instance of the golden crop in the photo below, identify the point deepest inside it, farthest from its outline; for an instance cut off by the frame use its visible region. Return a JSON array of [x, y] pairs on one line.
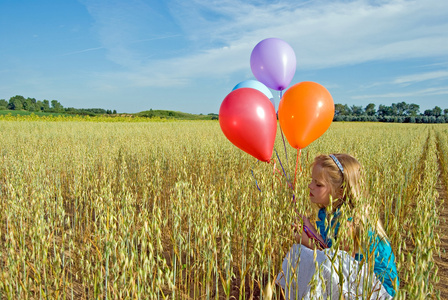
[[156, 210]]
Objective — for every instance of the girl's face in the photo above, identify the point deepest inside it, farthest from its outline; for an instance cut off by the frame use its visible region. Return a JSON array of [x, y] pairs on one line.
[[320, 190]]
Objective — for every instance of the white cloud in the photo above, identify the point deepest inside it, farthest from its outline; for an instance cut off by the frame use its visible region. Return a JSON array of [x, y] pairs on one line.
[[82, 51], [407, 80], [421, 77], [223, 33], [417, 93]]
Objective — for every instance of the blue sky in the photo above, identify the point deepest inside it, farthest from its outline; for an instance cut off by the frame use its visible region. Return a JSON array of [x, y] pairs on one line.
[[133, 55]]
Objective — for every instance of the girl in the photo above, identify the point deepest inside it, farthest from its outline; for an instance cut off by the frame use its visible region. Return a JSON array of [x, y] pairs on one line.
[[335, 188]]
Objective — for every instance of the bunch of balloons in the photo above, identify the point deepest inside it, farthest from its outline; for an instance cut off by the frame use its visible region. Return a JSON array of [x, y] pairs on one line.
[[247, 114]]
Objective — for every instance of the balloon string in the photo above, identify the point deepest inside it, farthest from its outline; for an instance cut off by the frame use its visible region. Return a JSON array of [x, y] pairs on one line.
[[252, 171], [279, 160], [281, 131], [299, 153], [284, 146], [275, 169], [279, 178], [286, 154], [274, 174]]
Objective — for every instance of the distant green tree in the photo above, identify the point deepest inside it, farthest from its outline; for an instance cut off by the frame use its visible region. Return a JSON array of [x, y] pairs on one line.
[[427, 112], [213, 116], [45, 105], [29, 104], [357, 110], [39, 105], [413, 109], [384, 111], [56, 106], [437, 111], [400, 109], [16, 102], [341, 110], [32, 107], [440, 119], [3, 104], [95, 110], [370, 109], [114, 112], [70, 110], [425, 119]]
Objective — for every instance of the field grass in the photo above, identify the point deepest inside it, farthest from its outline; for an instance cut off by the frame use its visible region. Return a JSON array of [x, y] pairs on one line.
[[157, 210]]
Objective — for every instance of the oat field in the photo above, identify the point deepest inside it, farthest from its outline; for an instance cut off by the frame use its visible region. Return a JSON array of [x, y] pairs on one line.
[[172, 210]]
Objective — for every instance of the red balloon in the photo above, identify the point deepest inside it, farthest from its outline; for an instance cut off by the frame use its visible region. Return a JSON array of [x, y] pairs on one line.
[[248, 120], [305, 113]]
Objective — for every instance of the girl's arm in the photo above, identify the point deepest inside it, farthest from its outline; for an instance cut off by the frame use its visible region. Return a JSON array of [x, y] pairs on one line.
[[303, 237]]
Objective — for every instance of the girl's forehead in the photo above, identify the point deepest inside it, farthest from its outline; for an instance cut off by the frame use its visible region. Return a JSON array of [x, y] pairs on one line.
[[318, 172]]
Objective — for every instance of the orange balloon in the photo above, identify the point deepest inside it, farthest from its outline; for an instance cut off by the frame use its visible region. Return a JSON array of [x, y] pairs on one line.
[[305, 112]]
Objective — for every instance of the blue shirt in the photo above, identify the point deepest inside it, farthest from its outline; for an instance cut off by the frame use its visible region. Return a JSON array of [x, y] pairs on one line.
[[384, 266], [324, 230]]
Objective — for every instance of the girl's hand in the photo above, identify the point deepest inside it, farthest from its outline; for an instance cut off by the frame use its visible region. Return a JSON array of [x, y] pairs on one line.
[[304, 220], [296, 227], [300, 234], [310, 237]]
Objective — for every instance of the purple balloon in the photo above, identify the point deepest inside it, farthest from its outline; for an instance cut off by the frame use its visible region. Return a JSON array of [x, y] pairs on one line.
[[273, 62]]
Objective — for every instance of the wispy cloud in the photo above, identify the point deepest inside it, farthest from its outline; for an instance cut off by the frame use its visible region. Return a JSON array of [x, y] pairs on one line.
[[222, 34], [82, 51], [328, 33], [407, 80], [157, 38], [421, 77], [422, 92]]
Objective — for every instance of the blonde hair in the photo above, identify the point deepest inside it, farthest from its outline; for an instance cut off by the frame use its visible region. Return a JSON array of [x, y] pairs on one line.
[[346, 181], [345, 188]]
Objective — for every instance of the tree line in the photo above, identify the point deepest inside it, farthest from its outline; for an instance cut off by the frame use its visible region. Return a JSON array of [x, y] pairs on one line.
[[401, 112], [31, 104]]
